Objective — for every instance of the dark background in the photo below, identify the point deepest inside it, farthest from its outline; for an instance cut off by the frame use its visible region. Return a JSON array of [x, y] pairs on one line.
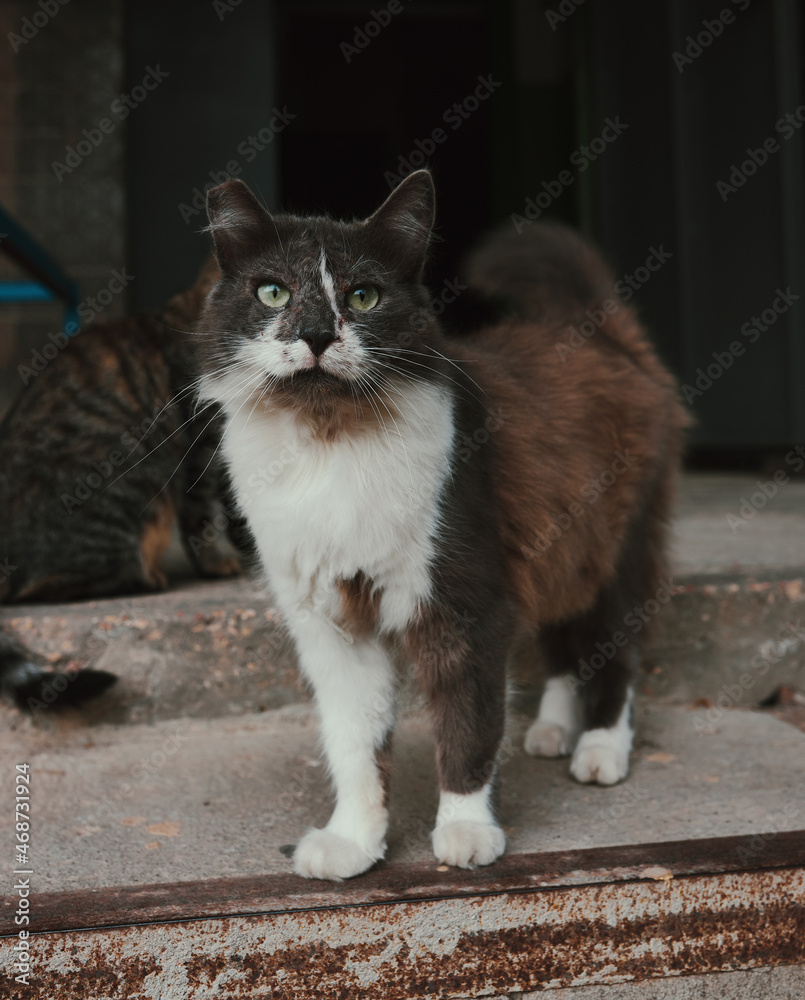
[[562, 70]]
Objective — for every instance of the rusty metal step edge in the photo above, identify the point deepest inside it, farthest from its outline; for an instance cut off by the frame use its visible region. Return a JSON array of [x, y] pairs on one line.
[[457, 947], [283, 894]]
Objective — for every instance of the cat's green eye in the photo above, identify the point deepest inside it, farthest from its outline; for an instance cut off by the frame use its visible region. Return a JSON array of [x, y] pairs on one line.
[[363, 298], [273, 295]]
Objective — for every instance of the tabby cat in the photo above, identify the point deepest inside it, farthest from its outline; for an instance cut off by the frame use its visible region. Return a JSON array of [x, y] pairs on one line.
[[99, 456], [415, 482]]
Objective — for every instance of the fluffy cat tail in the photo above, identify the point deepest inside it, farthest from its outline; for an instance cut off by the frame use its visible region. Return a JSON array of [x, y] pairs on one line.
[[547, 271], [33, 688]]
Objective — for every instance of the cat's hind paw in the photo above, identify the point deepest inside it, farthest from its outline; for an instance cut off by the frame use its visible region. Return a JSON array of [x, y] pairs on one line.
[[467, 843], [599, 763], [544, 739], [323, 854]]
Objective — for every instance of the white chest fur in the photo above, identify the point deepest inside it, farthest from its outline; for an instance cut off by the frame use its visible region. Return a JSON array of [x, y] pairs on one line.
[[368, 502]]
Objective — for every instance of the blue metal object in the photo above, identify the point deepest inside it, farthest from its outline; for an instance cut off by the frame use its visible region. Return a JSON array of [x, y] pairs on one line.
[[49, 280], [24, 291]]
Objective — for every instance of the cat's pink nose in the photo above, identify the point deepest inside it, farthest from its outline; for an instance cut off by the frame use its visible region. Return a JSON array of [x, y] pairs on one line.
[[318, 340]]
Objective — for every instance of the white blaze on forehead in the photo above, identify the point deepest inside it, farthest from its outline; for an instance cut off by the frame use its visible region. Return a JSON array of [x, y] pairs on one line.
[[347, 353], [327, 283]]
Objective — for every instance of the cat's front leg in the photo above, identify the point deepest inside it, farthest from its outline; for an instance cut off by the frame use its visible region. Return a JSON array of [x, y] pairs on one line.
[[355, 694], [462, 669]]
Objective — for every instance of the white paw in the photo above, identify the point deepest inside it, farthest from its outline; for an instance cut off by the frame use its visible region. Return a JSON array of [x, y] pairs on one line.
[[322, 854], [467, 843], [602, 764], [544, 739]]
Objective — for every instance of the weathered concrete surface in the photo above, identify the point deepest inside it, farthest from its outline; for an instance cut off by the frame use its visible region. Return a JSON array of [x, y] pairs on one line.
[[732, 640], [733, 632], [194, 799], [205, 649], [726, 523]]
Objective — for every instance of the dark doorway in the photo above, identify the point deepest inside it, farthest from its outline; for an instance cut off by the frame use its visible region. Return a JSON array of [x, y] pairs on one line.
[[501, 99]]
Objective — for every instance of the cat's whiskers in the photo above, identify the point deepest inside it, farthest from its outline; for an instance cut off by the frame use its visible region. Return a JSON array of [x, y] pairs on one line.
[[174, 400], [266, 388], [394, 353], [374, 379], [154, 449], [369, 395], [389, 384], [195, 333], [457, 366], [413, 379], [214, 417], [244, 364], [400, 390], [200, 407], [360, 264]]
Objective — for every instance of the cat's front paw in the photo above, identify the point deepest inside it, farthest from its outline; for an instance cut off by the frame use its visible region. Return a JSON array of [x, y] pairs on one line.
[[467, 843], [599, 763], [544, 739], [323, 854]]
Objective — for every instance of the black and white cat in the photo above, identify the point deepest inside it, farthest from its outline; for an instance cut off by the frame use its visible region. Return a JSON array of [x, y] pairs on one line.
[[382, 534]]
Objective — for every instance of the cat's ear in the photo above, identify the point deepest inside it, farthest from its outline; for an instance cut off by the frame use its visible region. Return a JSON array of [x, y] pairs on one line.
[[406, 219], [239, 224]]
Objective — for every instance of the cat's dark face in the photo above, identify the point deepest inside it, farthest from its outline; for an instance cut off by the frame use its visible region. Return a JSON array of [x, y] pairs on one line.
[[309, 311]]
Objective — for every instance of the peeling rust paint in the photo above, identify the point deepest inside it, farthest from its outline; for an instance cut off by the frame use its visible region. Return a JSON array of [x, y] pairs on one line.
[[450, 947]]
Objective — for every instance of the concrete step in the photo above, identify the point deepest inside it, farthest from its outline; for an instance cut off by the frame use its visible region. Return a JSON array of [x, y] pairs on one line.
[[164, 814], [732, 634], [234, 792], [160, 859]]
